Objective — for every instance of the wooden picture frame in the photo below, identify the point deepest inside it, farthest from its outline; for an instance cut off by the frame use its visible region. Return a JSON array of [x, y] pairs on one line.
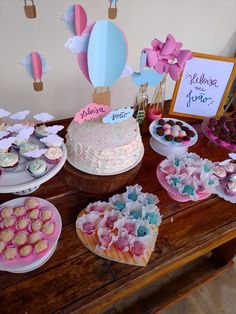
[[203, 106]]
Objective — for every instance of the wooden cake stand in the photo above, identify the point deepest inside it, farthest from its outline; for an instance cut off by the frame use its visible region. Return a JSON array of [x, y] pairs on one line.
[[97, 184]]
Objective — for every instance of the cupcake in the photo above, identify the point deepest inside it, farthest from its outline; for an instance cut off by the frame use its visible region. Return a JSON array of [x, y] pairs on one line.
[[166, 126], [53, 155], [230, 188], [185, 139], [167, 132], [41, 246], [160, 131], [41, 131], [37, 168], [232, 177], [169, 138], [28, 147], [9, 161], [179, 123], [230, 167], [161, 122], [32, 203]]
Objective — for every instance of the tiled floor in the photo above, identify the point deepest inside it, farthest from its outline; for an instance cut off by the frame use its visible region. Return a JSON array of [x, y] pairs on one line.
[[217, 297]]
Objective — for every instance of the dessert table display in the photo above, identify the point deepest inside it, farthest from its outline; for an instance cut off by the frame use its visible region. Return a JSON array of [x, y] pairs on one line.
[[188, 231], [171, 136]]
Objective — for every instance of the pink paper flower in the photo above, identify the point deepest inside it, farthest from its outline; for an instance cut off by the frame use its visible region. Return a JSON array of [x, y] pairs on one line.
[[163, 54]]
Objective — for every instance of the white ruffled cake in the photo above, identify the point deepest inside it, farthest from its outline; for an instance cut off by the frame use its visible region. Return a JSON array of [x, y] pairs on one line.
[[104, 149]]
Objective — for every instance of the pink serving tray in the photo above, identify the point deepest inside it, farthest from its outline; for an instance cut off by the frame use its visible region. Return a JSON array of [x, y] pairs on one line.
[[33, 260], [161, 176]]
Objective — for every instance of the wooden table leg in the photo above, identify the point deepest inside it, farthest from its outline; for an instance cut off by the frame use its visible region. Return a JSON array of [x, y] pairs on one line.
[[225, 252]]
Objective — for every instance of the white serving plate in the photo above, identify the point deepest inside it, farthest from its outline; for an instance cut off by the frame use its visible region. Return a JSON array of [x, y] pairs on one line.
[[23, 265], [111, 173], [21, 182], [165, 148]]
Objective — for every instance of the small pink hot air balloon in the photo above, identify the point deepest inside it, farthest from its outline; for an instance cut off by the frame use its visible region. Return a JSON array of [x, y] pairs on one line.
[[80, 19], [35, 65], [37, 71]]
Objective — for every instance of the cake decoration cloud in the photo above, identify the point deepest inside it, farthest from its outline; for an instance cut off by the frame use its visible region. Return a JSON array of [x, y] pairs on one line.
[[6, 143], [15, 127], [52, 139], [21, 115], [25, 133], [78, 44], [225, 162], [4, 113], [232, 156], [43, 117], [54, 129], [35, 153], [3, 134]]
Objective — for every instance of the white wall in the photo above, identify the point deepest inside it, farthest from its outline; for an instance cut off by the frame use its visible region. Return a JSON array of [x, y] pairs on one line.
[[204, 26]]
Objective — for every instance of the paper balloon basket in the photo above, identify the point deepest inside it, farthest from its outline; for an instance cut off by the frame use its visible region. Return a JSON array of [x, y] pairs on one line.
[[38, 86], [30, 10]]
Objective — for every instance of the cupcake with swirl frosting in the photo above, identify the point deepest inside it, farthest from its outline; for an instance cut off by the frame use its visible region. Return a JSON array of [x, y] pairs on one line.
[[37, 168], [53, 155]]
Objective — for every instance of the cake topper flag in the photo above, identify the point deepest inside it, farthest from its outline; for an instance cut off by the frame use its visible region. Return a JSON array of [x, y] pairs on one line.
[[91, 111], [30, 9], [36, 66], [118, 116], [101, 49], [112, 10]]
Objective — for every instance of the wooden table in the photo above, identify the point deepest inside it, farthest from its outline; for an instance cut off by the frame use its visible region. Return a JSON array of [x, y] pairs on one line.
[[75, 280]]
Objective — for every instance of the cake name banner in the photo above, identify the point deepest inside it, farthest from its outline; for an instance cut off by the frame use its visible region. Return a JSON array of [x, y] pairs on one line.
[[91, 111], [202, 90], [118, 116]]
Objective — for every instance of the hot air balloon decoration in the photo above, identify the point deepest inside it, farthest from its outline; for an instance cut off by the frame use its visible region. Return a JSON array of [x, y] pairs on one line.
[[30, 9], [101, 49], [112, 10], [36, 66]]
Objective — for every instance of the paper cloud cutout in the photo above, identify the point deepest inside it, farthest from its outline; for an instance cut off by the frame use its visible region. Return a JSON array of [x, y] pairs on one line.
[[146, 76], [3, 134], [52, 139], [127, 71], [35, 153], [43, 117], [149, 76], [78, 44], [54, 129], [4, 113], [16, 127], [24, 134], [232, 156], [21, 115], [225, 162], [6, 143]]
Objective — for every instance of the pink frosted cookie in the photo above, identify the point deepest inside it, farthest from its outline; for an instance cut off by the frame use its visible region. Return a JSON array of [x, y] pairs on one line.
[[36, 225], [48, 228], [6, 235], [31, 203], [6, 212], [33, 214], [46, 214], [20, 238], [10, 253], [25, 250], [22, 223], [34, 237], [40, 246], [8, 222], [19, 211]]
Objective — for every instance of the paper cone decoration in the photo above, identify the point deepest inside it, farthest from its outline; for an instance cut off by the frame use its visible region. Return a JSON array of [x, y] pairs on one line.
[[30, 10]]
